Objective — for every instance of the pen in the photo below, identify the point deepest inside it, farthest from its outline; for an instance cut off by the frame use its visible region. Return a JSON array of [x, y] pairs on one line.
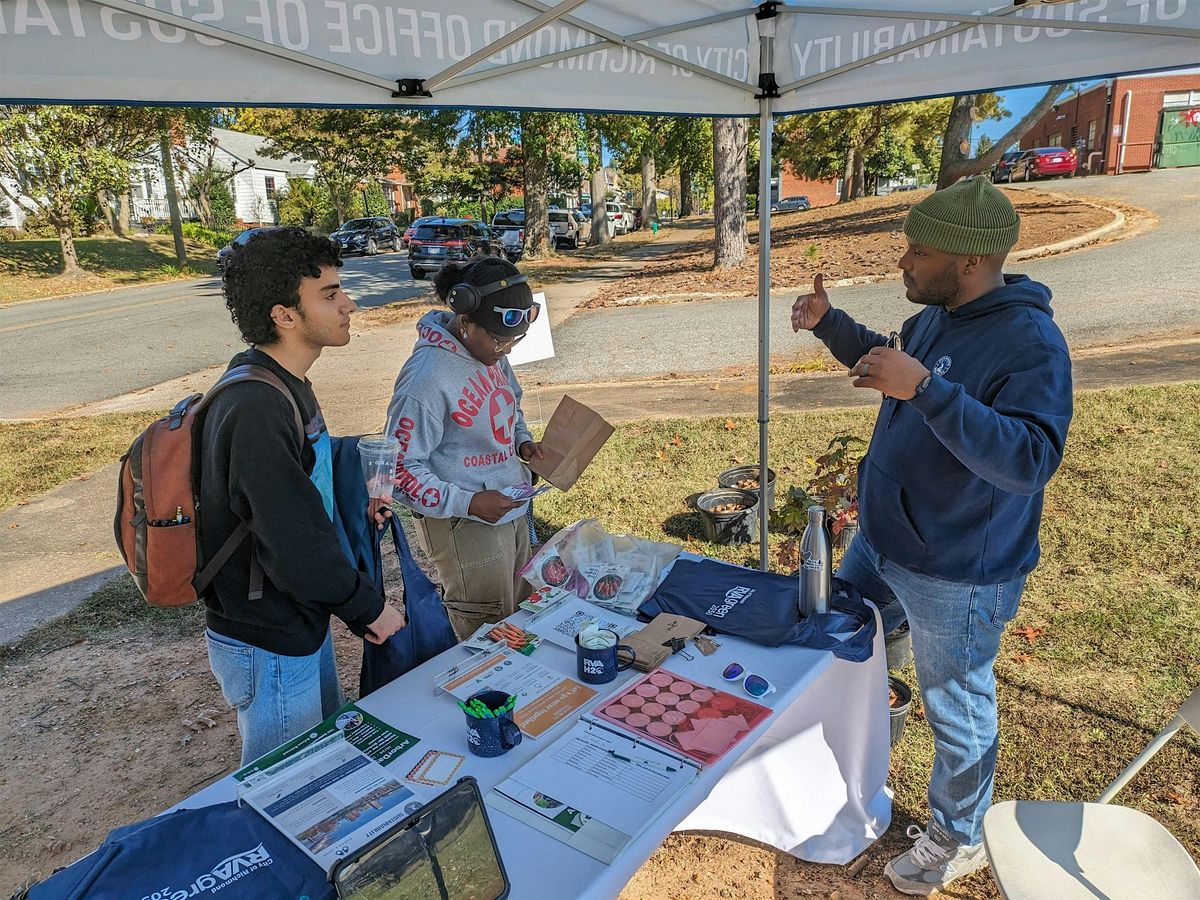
[[645, 762]]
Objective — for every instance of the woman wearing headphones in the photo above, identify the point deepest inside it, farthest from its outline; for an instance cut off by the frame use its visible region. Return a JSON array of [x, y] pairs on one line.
[[456, 410]]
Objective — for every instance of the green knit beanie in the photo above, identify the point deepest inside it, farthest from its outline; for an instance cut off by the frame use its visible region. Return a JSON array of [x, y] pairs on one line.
[[967, 218]]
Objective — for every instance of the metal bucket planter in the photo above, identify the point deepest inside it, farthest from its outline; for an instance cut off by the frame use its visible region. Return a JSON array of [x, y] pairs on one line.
[[740, 527], [898, 713], [898, 645], [730, 477]]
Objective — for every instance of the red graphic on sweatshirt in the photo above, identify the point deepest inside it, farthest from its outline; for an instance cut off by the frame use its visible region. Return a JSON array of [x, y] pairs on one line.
[[436, 337], [479, 390], [406, 481], [502, 409]]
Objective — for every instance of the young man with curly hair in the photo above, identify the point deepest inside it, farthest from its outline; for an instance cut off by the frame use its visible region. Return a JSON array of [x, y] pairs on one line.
[[268, 608]]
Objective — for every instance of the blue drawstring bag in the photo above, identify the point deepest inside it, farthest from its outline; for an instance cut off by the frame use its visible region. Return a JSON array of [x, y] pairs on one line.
[[428, 631], [764, 608], [223, 850]]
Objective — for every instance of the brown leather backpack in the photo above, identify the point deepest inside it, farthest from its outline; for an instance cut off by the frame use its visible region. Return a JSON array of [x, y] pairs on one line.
[[158, 500]]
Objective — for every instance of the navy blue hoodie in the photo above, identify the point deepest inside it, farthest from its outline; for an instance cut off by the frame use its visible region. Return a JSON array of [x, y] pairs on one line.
[[952, 483]]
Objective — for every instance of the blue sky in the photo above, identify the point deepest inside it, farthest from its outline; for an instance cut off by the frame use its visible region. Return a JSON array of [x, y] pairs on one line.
[[1018, 103]]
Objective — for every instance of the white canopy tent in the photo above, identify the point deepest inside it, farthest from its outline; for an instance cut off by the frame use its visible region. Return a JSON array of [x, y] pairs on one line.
[[664, 57]]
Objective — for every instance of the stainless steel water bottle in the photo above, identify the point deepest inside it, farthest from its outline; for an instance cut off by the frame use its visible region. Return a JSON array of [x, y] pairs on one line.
[[816, 560]]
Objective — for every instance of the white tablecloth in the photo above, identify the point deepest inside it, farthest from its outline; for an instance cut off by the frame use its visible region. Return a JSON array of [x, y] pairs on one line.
[[810, 780]]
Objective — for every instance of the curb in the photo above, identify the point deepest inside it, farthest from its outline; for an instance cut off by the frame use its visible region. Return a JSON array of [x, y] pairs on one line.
[[1074, 243]]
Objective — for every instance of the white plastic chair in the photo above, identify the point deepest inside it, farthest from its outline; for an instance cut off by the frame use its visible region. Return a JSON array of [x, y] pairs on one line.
[[1043, 850]]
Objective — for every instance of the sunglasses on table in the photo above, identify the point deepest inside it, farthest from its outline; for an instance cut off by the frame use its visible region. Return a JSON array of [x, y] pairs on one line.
[[754, 685], [513, 317]]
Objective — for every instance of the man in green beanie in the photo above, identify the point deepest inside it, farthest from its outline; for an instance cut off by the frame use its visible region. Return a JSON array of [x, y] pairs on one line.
[[976, 400]]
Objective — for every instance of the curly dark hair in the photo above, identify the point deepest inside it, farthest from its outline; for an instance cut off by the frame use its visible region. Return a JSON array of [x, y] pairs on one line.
[[479, 270], [265, 271]]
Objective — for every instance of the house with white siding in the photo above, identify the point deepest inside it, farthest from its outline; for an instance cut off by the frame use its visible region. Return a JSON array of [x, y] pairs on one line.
[[254, 181]]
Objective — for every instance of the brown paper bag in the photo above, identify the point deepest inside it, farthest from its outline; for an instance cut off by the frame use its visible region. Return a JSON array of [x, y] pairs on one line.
[[649, 644], [573, 438]]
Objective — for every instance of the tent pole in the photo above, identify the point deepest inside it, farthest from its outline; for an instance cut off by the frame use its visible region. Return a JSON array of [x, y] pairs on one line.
[[767, 89]]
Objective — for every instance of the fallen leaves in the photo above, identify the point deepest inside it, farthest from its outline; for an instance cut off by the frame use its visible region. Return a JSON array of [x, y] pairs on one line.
[[1030, 633], [1023, 658], [730, 425]]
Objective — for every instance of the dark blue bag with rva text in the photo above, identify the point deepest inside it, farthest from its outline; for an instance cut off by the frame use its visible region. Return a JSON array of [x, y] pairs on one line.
[[428, 632], [764, 608], [222, 851]]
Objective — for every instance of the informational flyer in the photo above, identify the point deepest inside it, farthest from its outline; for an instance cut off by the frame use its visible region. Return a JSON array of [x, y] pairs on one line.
[[378, 740], [330, 800], [560, 624], [544, 697]]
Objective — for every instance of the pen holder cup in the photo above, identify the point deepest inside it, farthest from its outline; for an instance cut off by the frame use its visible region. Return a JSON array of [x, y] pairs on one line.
[[601, 665], [492, 737]]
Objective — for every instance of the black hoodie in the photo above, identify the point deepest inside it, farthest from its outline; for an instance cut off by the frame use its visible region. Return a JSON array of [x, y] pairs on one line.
[[254, 467]]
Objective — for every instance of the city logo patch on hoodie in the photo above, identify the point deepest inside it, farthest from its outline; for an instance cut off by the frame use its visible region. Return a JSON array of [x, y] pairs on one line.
[[942, 366]]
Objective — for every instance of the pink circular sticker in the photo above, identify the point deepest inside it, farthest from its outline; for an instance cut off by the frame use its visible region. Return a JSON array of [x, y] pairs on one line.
[[703, 695], [666, 698], [654, 709], [662, 679], [682, 688], [637, 720], [647, 690], [617, 711], [674, 717], [724, 702], [633, 701], [687, 706], [658, 729]]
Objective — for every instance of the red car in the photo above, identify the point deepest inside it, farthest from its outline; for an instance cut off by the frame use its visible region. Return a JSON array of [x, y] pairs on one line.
[[1044, 162]]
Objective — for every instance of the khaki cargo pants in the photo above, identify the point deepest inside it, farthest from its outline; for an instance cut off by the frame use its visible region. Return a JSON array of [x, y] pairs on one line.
[[477, 565]]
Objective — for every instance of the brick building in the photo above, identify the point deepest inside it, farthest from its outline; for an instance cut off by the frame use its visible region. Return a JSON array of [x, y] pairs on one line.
[[1119, 125], [819, 193]]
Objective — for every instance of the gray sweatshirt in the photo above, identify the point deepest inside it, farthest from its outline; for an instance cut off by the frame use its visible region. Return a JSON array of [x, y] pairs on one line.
[[458, 421]]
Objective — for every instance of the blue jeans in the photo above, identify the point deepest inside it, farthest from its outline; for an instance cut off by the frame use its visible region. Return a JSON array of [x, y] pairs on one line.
[[276, 697], [956, 632]]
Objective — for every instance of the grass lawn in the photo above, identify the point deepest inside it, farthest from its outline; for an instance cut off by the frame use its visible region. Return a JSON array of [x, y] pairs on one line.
[[1105, 644], [30, 269], [36, 457]]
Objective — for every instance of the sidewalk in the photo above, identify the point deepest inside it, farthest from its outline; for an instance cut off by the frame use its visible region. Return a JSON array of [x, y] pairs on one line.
[[61, 549]]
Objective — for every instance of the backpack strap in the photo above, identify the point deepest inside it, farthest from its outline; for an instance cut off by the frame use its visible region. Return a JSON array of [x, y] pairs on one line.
[[239, 375]]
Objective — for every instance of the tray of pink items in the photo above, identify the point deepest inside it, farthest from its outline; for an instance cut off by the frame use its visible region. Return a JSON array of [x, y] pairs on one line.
[[700, 722]]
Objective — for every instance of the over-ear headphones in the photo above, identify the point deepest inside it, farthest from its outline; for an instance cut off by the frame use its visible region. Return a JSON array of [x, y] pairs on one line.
[[464, 298]]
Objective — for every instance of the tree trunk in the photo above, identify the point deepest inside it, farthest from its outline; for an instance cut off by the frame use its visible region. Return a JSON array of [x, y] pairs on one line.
[[955, 164], [730, 145], [537, 213], [340, 203], [847, 176], [649, 190], [106, 210], [121, 220], [860, 180], [599, 233], [203, 203], [687, 203], [164, 146], [66, 240]]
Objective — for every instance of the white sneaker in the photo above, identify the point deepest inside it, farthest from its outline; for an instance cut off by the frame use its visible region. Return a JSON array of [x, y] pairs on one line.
[[935, 860]]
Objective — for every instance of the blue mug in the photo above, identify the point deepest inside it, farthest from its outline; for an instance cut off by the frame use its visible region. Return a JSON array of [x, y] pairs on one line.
[[492, 737], [601, 665]]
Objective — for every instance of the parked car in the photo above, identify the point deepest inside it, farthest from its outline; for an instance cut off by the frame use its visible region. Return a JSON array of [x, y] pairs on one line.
[[569, 227], [368, 236], [223, 253], [635, 212], [1044, 162], [509, 218], [512, 242], [1002, 171], [790, 204], [417, 223], [621, 220], [442, 240]]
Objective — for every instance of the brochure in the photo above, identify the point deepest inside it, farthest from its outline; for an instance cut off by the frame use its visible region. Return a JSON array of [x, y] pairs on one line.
[[594, 789], [544, 697], [380, 741], [329, 799], [560, 624]]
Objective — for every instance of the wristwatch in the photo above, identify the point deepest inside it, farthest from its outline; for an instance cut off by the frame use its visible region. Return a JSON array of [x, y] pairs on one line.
[[922, 384]]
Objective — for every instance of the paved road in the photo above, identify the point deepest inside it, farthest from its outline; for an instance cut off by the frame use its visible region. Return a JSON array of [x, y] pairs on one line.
[[60, 353], [1135, 288]]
